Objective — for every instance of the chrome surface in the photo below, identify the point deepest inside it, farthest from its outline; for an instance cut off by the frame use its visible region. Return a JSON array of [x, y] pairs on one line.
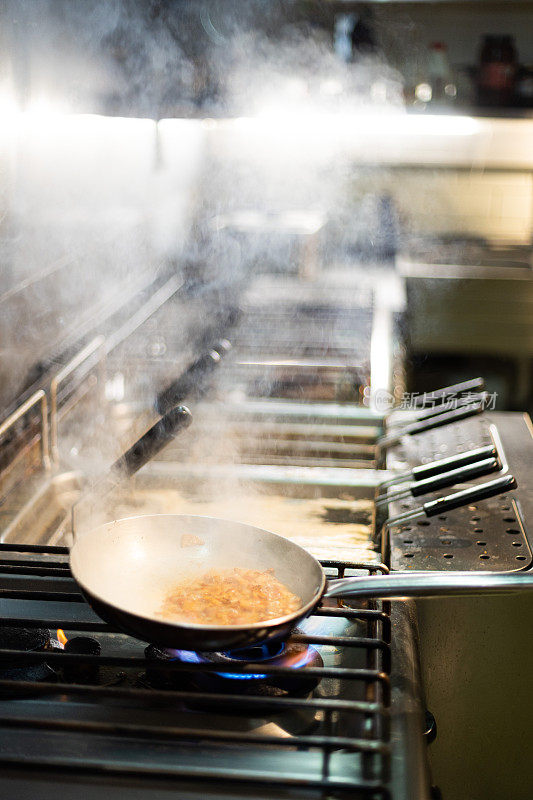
[[432, 584]]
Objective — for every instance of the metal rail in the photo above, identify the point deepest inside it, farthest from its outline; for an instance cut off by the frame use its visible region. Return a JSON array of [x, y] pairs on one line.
[[21, 411], [95, 352], [92, 354]]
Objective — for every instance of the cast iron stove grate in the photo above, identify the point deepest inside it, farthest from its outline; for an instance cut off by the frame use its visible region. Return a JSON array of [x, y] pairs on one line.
[[109, 720]]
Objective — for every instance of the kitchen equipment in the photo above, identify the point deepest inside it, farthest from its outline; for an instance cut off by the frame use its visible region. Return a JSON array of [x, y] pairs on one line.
[[428, 404], [194, 379], [455, 390], [152, 441], [155, 553], [457, 500], [445, 418], [396, 421], [443, 480], [297, 466], [176, 720], [476, 653], [91, 506], [424, 471]]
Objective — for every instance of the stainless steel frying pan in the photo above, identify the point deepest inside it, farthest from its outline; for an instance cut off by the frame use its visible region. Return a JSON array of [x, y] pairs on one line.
[[126, 568]]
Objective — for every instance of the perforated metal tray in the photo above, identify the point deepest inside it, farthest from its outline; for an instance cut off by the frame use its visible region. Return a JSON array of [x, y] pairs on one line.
[[489, 536]]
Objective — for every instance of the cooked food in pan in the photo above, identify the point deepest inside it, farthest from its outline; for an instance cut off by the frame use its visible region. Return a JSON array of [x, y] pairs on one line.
[[230, 597]]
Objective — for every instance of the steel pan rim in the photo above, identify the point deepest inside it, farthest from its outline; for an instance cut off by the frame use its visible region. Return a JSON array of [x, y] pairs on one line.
[[301, 613]]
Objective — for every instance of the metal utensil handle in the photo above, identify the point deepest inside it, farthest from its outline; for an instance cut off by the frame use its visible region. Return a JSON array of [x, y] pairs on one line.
[[193, 378], [424, 471], [456, 500], [472, 385], [433, 411], [480, 492], [431, 584], [152, 441], [460, 475], [461, 460], [443, 481], [445, 418]]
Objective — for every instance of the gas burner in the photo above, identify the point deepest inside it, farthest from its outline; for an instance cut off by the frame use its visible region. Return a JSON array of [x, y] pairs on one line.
[[24, 640], [82, 672], [290, 654]]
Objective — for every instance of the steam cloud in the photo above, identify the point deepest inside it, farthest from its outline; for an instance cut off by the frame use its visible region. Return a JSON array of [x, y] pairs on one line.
[[109, 205]]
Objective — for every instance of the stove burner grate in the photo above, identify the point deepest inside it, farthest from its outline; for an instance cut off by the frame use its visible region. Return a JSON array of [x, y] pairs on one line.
[[330, 737]]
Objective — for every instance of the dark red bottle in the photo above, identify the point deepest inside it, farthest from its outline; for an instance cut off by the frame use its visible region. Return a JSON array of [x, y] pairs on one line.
[[497, 71]]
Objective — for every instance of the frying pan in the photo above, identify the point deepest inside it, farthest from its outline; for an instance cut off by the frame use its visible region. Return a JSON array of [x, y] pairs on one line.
[[126, 569]]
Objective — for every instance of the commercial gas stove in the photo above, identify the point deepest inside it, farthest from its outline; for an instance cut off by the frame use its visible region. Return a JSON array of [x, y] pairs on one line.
[[313, 716], [338, 710]]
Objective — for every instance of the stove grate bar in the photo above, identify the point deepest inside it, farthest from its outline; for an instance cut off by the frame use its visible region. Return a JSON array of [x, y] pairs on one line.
[[343, 673], [165, 732], [28, 594], [107, 768], [341, 641], [18, 689], [7, 568], [26, 562], [65, 624], [342, 566], [77, 597], [11, 547], [352, 613]]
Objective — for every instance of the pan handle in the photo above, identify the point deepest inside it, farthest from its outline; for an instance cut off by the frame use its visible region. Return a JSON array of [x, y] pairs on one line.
[[431, 584], [88, 509], [194, 378], [152, 441]]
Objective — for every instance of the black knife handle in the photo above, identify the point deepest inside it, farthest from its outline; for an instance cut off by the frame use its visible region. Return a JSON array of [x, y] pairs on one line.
[[153, 441], [454, 476], [472, 385], [452, 462], [472, 495]]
